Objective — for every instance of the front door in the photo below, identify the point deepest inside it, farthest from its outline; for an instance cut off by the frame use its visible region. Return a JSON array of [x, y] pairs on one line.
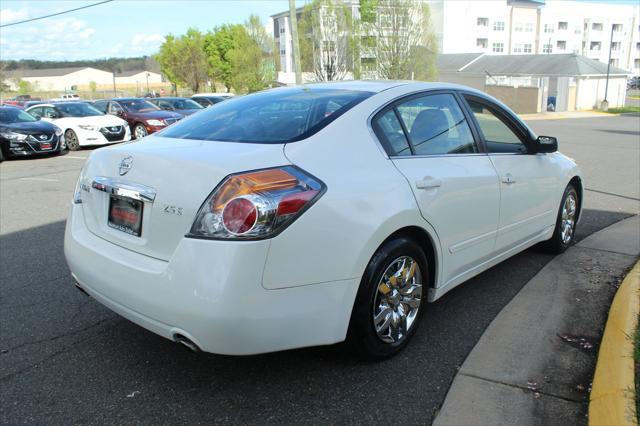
[[455, 185], [526, 203]]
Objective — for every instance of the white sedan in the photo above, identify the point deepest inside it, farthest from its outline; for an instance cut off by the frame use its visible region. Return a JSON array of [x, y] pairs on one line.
[[311, 215], [82, 124]]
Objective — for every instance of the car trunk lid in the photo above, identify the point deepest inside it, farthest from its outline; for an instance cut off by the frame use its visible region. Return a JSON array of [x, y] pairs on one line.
[[165, 181]]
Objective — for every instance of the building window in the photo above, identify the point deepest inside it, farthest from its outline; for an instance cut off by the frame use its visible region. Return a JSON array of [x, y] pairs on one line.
[[498, 26], [613, 62], [617, 28], [637, 46], [518, 47], [615, 46], [519, 27], [368, 42], [483, 22], [527, 48], [528, 27], [283, 52], [596, 26], [548, 28], [561, 45], [482, 43], [563, 26], [595, 45], [547, 48], [368, 64], [497, 47], [281, 30], [577, 29], [636, 63]]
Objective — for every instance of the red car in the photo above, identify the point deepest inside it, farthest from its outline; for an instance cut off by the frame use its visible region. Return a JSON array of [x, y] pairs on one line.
[[143, 117]]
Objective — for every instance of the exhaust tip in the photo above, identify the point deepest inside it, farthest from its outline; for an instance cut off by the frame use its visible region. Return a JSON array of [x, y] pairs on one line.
[[187, 343]]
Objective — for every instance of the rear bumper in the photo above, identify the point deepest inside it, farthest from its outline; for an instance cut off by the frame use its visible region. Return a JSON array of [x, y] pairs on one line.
[[210, 292]]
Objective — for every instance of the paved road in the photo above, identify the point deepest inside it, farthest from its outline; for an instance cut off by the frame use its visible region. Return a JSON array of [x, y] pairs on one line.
[[66, 359]]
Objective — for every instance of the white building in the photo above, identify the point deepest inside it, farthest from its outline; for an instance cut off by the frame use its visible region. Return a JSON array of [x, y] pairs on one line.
[[500, 27], [138, 77]]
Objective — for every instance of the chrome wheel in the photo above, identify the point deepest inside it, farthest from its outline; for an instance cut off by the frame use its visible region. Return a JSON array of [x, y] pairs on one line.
[[568, 223], [71, 140], [139, 131], [397, 300]]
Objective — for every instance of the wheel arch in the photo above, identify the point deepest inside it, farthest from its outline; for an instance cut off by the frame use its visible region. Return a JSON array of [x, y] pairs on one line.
[[576, 181]]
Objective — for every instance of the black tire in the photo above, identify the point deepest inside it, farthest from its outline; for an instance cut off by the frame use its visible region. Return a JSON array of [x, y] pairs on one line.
[[139, 131], [1, 156], [362, 336], [561, 239], [71, 140]]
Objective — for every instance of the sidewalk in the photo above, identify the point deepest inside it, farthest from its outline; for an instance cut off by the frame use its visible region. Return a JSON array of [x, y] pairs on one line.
[[535, 362], [564, 115]]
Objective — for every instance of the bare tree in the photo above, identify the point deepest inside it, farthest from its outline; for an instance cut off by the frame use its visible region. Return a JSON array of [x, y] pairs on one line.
[[325, 47], [404, 45]]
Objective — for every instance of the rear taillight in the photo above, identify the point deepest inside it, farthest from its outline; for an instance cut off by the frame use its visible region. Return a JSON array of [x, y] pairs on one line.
[[257, 204]]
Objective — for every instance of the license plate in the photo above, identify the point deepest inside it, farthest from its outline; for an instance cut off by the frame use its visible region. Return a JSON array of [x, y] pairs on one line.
[[125, 214], [45, 146]]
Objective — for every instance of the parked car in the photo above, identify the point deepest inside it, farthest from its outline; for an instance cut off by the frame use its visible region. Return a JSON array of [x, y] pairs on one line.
[[67, 97], [305, 216], [29, 104], [183, 106], [143, 117], [83, 125], [22, 135], [210, 99]]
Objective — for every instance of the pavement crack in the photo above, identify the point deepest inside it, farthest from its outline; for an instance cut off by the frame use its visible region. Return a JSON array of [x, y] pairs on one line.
[[603, 250], [54, 338], [524, 388]]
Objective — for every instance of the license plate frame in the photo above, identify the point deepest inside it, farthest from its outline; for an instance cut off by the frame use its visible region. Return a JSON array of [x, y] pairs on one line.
[[125, 215]]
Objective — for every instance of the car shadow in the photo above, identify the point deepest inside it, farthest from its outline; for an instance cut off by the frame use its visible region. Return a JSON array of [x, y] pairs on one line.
[[620, 132], [61, 350]]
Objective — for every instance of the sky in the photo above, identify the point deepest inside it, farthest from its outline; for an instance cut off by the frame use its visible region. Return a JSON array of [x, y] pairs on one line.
[[122, 28]]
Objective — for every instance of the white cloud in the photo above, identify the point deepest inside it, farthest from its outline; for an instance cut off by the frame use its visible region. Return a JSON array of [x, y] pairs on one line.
[[147, 40], [69, 35], [10, 15]]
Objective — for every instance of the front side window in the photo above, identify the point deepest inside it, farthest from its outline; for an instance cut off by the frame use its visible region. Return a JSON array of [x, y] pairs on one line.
[[498, 136], [101, 106], [36, 112], [50, 112], [433, 124], [275, 116], [114, 108]]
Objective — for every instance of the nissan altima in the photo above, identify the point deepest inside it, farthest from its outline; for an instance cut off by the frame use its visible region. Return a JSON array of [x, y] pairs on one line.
[[312, 215]]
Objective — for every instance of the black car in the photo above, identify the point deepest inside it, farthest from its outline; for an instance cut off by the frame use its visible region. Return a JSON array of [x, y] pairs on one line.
[[183, 106], [21, 134], [209, 100]]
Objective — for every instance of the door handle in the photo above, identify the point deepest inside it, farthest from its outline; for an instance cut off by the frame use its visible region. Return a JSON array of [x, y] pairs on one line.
[[508, 179], [428, 183]]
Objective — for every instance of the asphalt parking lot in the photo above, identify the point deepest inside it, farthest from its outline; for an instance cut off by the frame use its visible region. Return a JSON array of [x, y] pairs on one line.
[[66, 359]]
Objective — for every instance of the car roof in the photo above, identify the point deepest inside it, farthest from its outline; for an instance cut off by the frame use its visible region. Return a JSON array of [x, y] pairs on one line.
[[216, 94]]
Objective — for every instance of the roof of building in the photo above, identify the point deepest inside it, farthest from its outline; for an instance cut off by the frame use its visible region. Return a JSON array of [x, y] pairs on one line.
[[556, 65], [455, 61], [47, 72], [133, 72]]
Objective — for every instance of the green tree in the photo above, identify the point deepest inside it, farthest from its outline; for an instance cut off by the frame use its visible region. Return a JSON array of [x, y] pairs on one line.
[[326, 39], [183, 60], [218, 45], [93, 87], [24, 87], [405, 46], [252, 63]]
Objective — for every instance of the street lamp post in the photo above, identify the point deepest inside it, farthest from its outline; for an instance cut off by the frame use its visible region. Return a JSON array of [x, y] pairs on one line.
[[148, 83], [604, 106], [115, 93]]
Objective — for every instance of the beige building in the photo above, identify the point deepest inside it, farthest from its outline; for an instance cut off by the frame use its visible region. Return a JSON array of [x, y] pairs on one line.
[[536, 83]]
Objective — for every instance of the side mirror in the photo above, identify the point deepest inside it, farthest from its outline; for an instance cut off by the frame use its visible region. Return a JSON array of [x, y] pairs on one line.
[[546, 144]]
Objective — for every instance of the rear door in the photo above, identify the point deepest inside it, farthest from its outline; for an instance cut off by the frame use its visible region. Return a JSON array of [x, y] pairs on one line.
[[527, 180], [429, 139]]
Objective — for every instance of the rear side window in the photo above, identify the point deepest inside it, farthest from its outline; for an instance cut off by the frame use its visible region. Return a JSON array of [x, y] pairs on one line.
[[276, 116], [431, 125]]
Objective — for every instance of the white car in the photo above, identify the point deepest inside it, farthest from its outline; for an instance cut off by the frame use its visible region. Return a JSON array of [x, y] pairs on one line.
[[67, 97], [82, 124], [305, 216]]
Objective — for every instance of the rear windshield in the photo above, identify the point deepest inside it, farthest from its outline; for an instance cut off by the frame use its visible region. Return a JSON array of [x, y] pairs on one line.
[[274, 116]]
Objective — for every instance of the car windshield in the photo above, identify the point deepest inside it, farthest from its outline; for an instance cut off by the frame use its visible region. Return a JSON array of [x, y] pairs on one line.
[[77, 110], [184, 104], [14, 115], [138, 105], [275, 116]]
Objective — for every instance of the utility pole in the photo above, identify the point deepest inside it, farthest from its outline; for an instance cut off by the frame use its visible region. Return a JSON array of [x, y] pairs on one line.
[[293, 29], [148, 83], [115, 93], [605, 103]]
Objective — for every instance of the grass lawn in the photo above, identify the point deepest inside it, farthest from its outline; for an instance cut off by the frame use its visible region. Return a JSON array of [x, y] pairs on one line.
[[636, 356], [624, 109]]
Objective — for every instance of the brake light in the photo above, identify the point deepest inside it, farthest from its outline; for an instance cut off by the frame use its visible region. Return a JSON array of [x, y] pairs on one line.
[[257, 204]]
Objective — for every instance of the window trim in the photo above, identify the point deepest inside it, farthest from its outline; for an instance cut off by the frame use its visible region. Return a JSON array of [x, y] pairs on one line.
[[391, 105], [521, 131]]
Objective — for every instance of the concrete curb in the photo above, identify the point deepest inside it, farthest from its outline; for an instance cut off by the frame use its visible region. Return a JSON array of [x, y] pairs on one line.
[[612, 400], [565, 115], [534, 363]]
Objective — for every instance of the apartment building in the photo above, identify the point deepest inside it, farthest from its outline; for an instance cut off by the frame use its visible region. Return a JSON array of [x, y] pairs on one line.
[[512, 27]]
